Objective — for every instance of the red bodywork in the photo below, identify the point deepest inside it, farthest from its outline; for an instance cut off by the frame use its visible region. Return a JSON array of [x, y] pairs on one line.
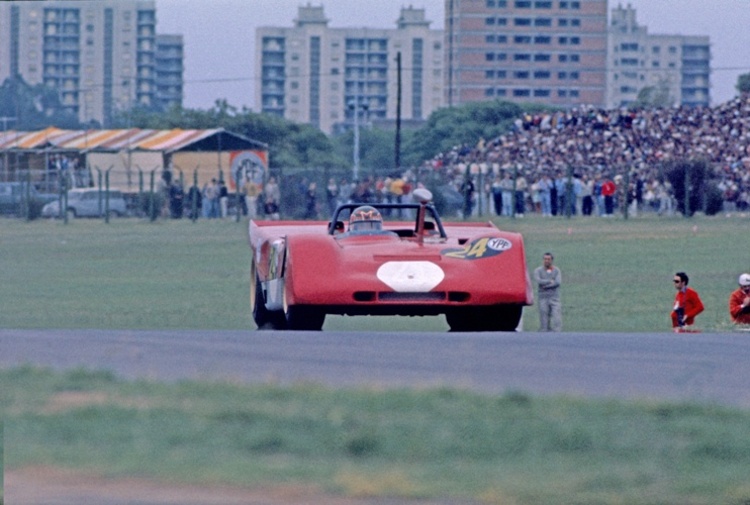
[[408, 273]]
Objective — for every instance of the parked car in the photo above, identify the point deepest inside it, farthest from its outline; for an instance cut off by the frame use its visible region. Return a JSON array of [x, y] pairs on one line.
[[89, 202], [14, 195]]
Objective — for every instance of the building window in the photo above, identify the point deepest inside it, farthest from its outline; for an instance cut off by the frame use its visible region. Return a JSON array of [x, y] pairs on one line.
[[521, 92], [562, 75], [523, 4], [574, 93], [489, 56], [575, 22], [562, 57], [541, 92], [489, 74], [522, 21], [489, 21], [562, 92], [562, 41], [522, 57], [502, 39], [656, 49], [542, 74], [574, 76], [543, 4], [542, 39], [489, 92], [543, 22], [542, 57], [575, 57], [562, 22], [521, 74], [575, 40], [522, 39], [575, 5]]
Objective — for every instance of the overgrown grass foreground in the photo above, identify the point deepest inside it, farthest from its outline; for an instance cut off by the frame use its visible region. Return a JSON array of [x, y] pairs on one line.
[[617, 274], [510, 449]]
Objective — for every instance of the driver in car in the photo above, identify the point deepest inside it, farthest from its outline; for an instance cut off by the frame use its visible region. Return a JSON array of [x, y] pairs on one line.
[[365, 218]]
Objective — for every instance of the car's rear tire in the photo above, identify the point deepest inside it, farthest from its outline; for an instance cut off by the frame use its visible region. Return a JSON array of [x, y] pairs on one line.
[[492, 318]]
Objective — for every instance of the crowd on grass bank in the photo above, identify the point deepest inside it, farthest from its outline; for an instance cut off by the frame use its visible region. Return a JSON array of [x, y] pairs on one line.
[[613, 147]]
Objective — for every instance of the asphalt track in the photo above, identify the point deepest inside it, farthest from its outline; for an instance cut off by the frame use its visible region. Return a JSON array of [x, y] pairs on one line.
[[703, 367]]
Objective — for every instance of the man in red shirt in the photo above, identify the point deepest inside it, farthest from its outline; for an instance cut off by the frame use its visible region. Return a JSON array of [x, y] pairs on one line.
[[687, 303], [739, 301], [608, 192]]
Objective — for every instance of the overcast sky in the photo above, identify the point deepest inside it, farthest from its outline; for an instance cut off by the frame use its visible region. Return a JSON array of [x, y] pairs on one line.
[[219, 35]]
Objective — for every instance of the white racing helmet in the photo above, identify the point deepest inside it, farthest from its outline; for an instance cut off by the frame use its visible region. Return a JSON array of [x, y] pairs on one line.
[[744, 280]]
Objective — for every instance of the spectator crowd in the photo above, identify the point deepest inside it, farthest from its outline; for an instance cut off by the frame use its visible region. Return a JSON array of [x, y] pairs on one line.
[[605, 148]]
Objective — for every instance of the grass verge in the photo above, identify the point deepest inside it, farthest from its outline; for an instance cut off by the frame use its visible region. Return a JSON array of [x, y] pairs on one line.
[[510, 449]]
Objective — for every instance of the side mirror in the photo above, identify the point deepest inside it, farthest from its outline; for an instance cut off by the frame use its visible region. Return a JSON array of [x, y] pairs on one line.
[[422, 195]]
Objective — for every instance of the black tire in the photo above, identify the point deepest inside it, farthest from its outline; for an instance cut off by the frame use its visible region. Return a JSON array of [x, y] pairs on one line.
[[261, 315], [301, 317], [493, 318]]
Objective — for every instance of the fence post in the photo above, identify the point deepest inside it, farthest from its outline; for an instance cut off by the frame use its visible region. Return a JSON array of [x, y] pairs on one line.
[[237, 203], [194, 197], [687, 191], [151, 215], [106, 195], [27, 199], [626, 195]]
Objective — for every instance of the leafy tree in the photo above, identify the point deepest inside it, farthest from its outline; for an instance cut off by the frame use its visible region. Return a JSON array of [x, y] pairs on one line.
[[654, 96], [450, 127], [34, 107], [693, 188], [743, 83]]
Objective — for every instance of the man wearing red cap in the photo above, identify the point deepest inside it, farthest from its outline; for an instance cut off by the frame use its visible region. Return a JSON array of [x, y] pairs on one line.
[[739, 301]]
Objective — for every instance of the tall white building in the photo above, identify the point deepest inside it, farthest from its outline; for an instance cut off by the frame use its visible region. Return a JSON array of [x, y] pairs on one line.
[[101, 55], [676, 66], [311, 73]]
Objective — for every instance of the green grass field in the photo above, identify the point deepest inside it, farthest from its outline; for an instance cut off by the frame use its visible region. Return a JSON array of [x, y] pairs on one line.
[[134, 274], [500, 450]]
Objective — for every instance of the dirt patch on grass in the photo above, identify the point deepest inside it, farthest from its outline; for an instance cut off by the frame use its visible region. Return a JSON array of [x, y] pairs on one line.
[[43, 485]]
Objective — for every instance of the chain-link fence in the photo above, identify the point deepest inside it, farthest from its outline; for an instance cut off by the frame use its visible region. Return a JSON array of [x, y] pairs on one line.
[[460, 191]]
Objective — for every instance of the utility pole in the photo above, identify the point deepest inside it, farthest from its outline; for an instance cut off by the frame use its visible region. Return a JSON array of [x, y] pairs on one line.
[[398, 113]]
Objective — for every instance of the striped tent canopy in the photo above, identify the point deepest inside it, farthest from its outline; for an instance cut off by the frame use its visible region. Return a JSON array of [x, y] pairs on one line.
[[136, 139]]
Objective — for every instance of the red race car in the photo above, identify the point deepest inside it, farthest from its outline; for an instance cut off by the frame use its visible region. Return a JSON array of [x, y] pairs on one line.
[[411, 264]]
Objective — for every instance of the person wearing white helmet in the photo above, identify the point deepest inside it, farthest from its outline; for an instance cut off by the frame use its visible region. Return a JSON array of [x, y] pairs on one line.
[[739, 301]]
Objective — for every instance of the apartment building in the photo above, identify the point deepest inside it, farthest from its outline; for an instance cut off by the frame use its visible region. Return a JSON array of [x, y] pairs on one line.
[[169, 68], [313, 73], [675, 68], [101, 56], [552, 52]]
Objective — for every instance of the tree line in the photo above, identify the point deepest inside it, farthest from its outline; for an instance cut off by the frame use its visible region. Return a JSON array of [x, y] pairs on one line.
[[291, 145]]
